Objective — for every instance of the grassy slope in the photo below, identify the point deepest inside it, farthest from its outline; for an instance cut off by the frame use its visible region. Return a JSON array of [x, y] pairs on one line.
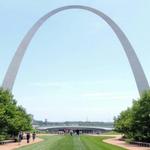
[[96, 143], [47, 144], [71, 143], [111, 133]]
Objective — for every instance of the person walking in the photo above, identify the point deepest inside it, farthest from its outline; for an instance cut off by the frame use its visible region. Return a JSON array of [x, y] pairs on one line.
[[78, 132], [28, 137], [71, 132], [33, 136], [19, 137]]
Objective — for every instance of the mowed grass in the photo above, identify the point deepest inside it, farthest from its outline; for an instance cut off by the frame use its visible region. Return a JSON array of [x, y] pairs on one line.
[[111, 133], [71, 143]]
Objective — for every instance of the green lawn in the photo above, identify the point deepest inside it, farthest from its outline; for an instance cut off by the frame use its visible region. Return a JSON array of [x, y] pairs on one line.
[[71, 143], [111, 133]]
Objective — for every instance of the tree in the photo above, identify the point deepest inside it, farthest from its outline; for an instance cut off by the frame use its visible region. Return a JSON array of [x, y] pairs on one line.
[[123, 123], [13, 118], [135, 121]]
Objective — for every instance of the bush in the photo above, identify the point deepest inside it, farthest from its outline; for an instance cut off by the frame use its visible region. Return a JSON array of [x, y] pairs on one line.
[[135, 121]]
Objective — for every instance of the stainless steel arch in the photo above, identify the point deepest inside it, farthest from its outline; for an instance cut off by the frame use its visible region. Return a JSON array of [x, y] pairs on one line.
[[140, 78]]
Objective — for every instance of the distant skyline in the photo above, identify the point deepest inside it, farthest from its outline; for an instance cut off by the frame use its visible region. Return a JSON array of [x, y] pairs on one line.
[[75, 67]]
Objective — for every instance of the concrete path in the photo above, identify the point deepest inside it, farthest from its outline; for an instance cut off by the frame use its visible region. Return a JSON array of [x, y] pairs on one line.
[[116, 141], [13, 146]]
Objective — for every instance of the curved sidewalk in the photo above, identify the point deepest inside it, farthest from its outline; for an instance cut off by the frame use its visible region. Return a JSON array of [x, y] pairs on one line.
[[116, 141], [13, 146]]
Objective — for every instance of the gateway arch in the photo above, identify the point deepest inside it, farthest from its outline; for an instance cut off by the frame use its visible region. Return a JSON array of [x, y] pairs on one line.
[[140, 78]]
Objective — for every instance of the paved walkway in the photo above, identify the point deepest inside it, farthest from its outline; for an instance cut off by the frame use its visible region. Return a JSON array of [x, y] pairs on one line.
[[13, 146], [116, 141]]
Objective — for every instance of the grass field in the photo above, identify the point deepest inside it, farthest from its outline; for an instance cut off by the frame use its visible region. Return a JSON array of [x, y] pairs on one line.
[[111, 133], [71, 143]]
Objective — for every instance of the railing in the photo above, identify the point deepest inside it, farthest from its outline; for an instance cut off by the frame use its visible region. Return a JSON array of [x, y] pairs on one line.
[[6, 142], [143, 144]]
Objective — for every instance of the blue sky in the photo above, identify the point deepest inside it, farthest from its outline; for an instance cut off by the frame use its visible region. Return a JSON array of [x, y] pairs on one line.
[[75, 67]]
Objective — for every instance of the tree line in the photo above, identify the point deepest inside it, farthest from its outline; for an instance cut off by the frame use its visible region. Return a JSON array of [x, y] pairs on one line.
[[134, 122], [13, 118]]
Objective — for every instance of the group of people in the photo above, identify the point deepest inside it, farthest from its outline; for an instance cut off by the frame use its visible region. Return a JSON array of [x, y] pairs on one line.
[[70, 131], [77, 132], [28, 136]]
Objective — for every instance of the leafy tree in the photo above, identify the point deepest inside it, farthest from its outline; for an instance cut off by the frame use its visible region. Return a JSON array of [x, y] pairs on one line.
[[13, 118], [135, 121], [123, 123]]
